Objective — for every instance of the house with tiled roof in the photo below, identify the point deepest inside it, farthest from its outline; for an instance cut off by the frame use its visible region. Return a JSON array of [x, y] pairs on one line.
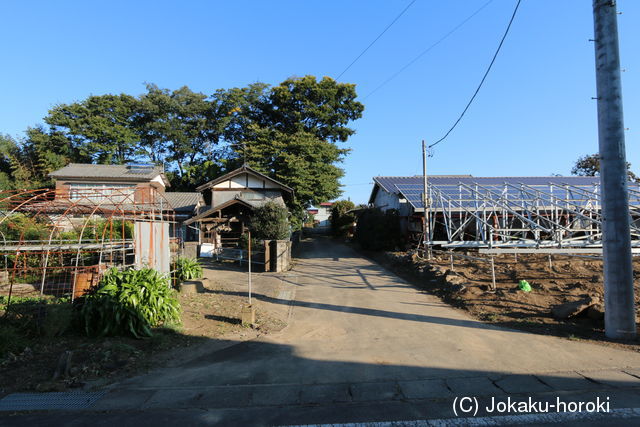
[[232, 199], [131, 184], [142, 182]]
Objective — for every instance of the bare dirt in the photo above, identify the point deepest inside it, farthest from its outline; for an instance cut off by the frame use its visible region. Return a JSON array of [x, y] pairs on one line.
[[99, 361], [566, 298]]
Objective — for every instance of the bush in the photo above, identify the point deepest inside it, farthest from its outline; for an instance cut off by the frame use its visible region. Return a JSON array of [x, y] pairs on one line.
[[379, 230], [256, 244], [11, 340], [36, 316], [187, 269], [270, 222], [129, 302], [341, 221]]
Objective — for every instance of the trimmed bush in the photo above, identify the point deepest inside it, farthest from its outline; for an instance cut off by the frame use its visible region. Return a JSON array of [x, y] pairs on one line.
[[129, 302], [270, 222]]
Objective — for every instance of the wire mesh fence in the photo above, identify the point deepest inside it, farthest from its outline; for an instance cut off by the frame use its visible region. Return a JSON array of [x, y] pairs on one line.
[[58, 243]]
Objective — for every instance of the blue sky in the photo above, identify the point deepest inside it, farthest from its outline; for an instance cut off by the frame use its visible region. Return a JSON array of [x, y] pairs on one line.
[[534, 115]]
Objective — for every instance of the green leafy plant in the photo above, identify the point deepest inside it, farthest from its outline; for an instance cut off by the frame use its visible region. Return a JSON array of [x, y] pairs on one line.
[[187, 269], [130, 302]]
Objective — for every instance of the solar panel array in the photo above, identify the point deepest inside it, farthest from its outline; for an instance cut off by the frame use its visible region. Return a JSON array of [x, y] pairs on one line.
[[515, 192], [389, 182]]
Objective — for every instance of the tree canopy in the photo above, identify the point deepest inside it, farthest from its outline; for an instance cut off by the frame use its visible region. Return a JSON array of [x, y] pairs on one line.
[[291, 132], [589, 165]]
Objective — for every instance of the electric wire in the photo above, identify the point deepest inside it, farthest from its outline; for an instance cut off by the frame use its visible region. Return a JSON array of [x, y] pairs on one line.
[[424, 52], [376, 39], [495, 55]]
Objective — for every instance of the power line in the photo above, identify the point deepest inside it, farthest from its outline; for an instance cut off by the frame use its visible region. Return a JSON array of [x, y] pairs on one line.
[[376, 39], [440, 40], [495, 55]]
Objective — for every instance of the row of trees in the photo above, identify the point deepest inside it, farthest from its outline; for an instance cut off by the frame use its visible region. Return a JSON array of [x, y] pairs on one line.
[[290, 132]]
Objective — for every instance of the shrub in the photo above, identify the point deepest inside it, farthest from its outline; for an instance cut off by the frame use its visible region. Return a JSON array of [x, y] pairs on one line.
[[11, 339], [19, 226], [377, 230], [256, 244], [341, 221], [187, 269], [36, 316], [270, 222], [129, 302]]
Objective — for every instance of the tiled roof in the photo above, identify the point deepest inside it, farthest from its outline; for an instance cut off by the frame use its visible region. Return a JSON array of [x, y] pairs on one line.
[[118, 172], [183, 202], [208, 210]]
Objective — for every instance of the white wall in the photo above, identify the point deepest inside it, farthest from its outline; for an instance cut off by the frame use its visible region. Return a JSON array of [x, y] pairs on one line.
[[385, 201]]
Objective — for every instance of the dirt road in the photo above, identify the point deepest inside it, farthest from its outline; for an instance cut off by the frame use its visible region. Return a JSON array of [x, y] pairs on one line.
[[352, 321], [360, 337]]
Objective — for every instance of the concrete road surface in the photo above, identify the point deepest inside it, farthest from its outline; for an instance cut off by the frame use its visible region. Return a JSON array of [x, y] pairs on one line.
[[363, 345]]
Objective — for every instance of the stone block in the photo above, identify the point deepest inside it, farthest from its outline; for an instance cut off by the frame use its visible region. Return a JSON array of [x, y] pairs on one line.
[[192, 287], [248, 315]]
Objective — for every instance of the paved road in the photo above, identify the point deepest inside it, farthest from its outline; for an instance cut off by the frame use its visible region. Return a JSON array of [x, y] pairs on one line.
[[363, 345]]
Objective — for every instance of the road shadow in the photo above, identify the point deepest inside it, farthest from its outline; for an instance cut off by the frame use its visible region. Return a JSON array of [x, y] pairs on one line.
[[267, 384]]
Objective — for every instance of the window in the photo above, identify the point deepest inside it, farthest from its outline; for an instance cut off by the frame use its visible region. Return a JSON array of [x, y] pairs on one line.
[[115, 193]]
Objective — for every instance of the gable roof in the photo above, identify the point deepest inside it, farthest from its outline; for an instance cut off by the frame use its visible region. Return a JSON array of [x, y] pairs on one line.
[[241, 170], [184, 201], [251, 204], [131, 172]]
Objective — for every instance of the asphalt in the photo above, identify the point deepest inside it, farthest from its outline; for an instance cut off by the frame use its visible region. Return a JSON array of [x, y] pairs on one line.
[[362, 345]]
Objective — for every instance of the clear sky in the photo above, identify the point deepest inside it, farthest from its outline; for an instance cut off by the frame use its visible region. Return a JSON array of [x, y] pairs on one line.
[[534, 115]]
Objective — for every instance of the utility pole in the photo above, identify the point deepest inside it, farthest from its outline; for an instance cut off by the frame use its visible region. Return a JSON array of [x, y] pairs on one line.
[[426, 229], [620, 316]]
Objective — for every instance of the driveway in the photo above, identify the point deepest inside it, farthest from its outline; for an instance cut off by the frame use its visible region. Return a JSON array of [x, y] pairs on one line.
[[360, 337]]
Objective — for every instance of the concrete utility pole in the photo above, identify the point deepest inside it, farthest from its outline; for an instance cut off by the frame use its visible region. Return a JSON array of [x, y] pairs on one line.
[[620, 316], [425, 198]]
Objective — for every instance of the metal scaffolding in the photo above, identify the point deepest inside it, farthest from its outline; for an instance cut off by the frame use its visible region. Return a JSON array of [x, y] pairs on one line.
[[513, 214], [59, 243]]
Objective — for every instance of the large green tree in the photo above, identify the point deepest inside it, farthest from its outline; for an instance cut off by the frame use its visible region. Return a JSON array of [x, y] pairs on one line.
[[322, 108], [180, 128], [8, 149], [291, 132], [27, 163], [101, 128]]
